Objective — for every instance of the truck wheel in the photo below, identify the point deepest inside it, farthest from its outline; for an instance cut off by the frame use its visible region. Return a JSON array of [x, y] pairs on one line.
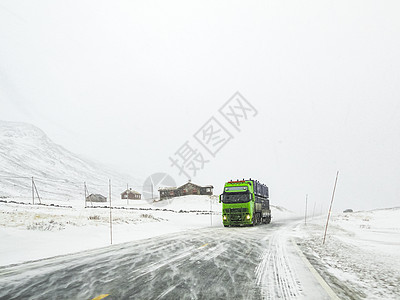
[[258, 218]]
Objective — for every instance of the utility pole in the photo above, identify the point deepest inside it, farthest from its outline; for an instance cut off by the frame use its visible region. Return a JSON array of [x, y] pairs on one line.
[[330, 207], [34, 188], [109, 195], [33, 193], [305, 214], [84, 187], [87, 195]]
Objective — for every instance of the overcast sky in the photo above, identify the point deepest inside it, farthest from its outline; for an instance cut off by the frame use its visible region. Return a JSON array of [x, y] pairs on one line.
[[128, 83]]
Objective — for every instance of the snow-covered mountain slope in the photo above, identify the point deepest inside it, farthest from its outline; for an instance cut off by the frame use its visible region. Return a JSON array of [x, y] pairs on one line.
[[26, 151]]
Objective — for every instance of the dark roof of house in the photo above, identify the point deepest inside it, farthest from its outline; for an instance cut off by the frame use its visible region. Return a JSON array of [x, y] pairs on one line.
[[188, 183], [179, 187], [168, 188], [130, 191], [97, 196]]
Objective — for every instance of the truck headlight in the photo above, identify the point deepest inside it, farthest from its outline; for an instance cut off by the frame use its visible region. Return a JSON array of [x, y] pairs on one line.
[[224, 217], [248, 217]]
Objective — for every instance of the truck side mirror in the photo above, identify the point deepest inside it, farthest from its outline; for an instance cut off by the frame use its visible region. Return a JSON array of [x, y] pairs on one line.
[[220, 198]]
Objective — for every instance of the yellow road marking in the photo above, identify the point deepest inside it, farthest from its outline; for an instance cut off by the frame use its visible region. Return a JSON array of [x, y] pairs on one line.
[[102, 296], [204, 245]]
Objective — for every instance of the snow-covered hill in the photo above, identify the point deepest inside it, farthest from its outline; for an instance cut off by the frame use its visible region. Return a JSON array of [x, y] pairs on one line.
[[26, 151]]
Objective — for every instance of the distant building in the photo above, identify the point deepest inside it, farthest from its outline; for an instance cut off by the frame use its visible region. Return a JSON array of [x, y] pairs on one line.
[[131, 194], [96, 198], [188, 188], [168, 192]]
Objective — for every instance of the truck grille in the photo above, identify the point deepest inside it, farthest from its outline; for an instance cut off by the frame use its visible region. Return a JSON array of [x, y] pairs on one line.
[[236, 218], [235, 210]]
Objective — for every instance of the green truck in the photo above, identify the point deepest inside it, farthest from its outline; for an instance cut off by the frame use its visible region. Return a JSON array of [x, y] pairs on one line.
[[245, 203]]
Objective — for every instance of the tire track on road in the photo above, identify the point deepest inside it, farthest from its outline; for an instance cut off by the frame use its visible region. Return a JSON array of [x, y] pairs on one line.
[[274, 274]]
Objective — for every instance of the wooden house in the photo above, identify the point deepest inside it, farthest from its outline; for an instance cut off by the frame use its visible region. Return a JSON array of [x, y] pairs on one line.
[[168, 192], [131, 194], [96, 198], [188, 188]]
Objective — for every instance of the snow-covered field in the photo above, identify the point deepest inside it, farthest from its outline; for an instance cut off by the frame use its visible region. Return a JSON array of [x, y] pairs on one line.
[[30, 232], [361, 255], [360, 259]]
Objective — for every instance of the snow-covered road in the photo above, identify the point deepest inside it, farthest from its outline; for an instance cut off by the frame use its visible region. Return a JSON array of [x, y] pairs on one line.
[[212, 263]]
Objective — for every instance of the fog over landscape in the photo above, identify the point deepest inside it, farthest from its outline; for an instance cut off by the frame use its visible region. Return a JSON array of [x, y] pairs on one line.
[[128, 83]]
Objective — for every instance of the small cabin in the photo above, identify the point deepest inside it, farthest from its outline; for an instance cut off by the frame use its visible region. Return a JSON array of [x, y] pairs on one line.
[[96, 198], [188, 188], [168, 192], [131, 194]]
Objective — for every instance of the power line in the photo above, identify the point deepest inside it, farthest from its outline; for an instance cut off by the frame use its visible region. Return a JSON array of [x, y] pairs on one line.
[[14, 177]]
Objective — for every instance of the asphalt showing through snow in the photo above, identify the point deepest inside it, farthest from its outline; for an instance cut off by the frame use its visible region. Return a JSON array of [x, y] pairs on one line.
[[211, 263]]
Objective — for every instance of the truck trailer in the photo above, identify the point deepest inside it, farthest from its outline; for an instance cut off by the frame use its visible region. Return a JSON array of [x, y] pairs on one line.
[[245, 203]]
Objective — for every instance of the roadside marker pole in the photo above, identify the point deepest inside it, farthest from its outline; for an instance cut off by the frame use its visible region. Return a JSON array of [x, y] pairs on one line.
[[305, 214], [330, 207], [127, 194], [211, 216], [313, 211], [109, 194]]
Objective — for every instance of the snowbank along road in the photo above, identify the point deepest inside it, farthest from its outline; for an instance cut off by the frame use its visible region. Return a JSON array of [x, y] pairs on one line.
[[225, 263]]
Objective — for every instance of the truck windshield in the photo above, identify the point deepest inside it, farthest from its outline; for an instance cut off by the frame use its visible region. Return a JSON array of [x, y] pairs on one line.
[[236, 197]]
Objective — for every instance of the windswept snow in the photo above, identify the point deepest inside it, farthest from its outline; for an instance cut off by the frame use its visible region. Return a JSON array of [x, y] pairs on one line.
[[361, 256], [30, 232], [360, 259]]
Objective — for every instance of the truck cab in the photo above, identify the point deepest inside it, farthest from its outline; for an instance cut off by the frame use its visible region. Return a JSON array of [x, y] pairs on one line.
[[242, 205]]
